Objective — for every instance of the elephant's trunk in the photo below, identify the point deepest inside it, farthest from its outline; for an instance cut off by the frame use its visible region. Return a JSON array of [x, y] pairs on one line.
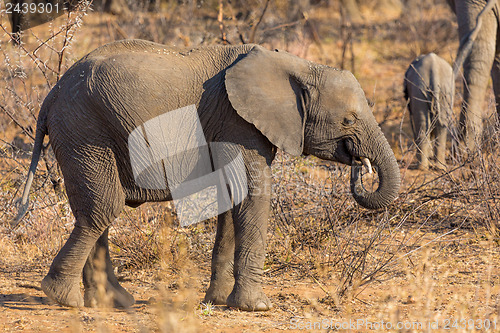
[[384, 162]]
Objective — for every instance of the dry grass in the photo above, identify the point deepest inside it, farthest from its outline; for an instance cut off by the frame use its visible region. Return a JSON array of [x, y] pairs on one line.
[[430, 256]]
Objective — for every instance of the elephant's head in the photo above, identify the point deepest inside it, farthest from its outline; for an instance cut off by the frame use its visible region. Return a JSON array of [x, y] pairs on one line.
[[303, 107]]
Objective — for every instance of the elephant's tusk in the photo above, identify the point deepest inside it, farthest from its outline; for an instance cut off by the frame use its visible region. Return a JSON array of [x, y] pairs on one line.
[[366, 163]]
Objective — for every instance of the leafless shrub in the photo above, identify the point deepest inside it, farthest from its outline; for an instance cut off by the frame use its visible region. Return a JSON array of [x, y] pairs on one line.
[[319, 229], [30, 69]]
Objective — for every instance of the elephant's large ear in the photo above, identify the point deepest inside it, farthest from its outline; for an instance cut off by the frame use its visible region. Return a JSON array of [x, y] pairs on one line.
[[267, 89]]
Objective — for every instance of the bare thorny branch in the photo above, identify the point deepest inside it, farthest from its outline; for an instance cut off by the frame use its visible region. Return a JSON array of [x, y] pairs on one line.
[[254, 26], [65, 34]]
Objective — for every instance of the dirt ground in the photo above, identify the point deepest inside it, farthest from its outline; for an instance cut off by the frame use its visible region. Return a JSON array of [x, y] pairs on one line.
[[456, 278]]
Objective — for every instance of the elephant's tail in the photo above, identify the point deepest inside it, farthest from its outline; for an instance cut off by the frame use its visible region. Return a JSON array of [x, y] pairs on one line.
[[41, 131], [434, 97]]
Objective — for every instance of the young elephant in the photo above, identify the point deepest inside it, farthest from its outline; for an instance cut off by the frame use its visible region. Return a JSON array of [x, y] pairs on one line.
[[429, 90], [135, 121]]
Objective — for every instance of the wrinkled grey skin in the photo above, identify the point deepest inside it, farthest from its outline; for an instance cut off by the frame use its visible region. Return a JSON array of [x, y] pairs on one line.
[[257, 99], [484, 59], [429, 89]]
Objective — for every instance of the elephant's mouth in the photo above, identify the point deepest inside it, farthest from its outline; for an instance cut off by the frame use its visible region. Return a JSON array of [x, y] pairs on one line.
[[357, 184], [358, 163], [347, 156], [375, 178], [343, 153]]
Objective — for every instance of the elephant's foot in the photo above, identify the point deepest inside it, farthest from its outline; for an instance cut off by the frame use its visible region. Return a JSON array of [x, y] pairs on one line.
[[65, 291], [249, 299], [114, 295], [218, 291], [221, 282]]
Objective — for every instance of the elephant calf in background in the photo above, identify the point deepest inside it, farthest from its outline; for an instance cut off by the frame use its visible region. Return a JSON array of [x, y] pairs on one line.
[[115, 112], [429, 90]]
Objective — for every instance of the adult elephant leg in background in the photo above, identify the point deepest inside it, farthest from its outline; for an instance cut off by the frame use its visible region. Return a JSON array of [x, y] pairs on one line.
[[495, 75], [478, 66]]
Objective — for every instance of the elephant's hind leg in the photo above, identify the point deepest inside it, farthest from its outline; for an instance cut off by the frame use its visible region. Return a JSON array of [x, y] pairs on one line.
[[422, 135], [96, 198], [222, 279], [101, 285], [440, 133]]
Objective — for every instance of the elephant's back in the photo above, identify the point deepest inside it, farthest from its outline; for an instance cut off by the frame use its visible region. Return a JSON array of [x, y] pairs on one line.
[[428, 73], [127, 45], [429, 66], [124, 84], [132, 81]]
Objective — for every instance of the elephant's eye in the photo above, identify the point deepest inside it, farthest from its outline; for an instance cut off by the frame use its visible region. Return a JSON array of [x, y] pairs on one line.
[[349, 121]]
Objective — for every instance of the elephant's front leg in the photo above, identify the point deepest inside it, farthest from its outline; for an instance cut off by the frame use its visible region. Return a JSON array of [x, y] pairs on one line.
[[101, 285], [250, 223], [222, 279]]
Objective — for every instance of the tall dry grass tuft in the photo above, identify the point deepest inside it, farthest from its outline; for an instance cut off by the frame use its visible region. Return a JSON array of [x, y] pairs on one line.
[[178, 301], [479, 181]]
